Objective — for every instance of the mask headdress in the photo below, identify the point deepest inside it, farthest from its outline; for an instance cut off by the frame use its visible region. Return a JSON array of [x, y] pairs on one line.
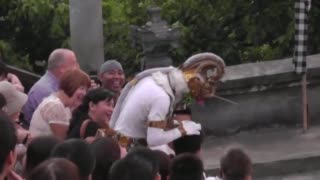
[[202, 72]]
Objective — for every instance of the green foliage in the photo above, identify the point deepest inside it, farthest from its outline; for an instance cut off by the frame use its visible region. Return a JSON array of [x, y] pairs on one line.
[[239, 31], [32, 28]]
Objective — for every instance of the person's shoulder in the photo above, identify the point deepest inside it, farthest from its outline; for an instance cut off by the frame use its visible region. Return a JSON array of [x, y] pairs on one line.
[[151, 84], [51, 102], [41, 86], [147, 80]]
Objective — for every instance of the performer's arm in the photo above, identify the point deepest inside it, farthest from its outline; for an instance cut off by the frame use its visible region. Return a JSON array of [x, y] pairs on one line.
[[157, 137], [156, 132]]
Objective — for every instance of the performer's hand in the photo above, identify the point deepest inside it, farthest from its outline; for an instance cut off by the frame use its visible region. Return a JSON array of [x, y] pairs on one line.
[[191, 127]]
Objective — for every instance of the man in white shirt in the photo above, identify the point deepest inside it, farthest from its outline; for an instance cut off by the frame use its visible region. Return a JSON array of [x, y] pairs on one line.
[[145, 106]]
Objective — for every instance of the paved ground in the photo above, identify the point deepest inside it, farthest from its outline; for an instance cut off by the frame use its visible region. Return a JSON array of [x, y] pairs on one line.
[[303, 176], [274, 151]]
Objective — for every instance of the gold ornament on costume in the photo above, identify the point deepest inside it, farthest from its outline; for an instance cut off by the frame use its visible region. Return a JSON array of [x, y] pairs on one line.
[[202, 72]]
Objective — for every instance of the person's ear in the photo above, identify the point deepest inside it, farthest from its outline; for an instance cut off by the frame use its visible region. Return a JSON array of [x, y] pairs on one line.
[[100, 76], [92, 106]]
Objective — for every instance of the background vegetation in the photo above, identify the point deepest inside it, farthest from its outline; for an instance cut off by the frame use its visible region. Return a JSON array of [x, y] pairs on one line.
[[239, 31]]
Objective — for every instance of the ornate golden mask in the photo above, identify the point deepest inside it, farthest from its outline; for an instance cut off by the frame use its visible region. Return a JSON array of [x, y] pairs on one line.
[[202, 72]]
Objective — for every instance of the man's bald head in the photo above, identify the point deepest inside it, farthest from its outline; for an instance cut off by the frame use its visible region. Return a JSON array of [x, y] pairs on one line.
[[59, 57], [61, 60]]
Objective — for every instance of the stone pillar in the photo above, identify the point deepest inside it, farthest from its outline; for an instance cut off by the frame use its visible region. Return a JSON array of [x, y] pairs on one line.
[[86, 27]]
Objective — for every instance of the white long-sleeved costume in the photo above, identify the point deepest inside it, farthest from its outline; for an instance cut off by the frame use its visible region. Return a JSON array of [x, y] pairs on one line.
[[152, 96], [152, 99]]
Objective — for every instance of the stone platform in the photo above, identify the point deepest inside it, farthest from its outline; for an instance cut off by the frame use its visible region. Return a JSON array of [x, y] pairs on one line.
[[275, 152]]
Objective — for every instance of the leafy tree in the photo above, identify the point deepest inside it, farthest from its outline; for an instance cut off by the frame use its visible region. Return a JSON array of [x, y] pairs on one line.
[[239, 31]]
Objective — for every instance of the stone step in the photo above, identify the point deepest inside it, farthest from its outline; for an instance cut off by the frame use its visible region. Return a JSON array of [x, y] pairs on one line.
[[311, 175], [274, 151]]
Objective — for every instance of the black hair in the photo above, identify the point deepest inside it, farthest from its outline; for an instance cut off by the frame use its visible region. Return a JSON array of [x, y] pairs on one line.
[[186, 167], [8, 139], [235, 165], [55, 169], [163, 161], [79, 152], [186, 111], [80, 114], [107, 151], [132, 168], [39, 149], [147, 154], [188, 144]]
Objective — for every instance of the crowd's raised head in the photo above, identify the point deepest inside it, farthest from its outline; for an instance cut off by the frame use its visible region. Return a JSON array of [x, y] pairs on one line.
[[97, 105], [112, 76], [163, 162], [8, 141], [78, 152], [39, 150], [186, 167], [144, 153], [128, 169], [236, 165], [107, 151], [72, 80], [62, 60], [55, 169], [188, 144]]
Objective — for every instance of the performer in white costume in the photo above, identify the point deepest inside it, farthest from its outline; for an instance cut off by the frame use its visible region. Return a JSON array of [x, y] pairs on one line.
[[144, 108]]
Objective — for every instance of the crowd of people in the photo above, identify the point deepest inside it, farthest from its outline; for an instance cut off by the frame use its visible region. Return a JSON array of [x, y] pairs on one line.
[[60, 130]]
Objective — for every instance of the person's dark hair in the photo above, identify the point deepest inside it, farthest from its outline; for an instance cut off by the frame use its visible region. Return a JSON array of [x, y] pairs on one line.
[[55, 169], [146, 154], [72, 80], [188, 144], [186, 167], [80, 114], [3, 101], [8, 139], [132, 168], [39, 150], [79, 152], [107, 151], [235, 165], [183, 111], [3, 69], [163, 161]]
